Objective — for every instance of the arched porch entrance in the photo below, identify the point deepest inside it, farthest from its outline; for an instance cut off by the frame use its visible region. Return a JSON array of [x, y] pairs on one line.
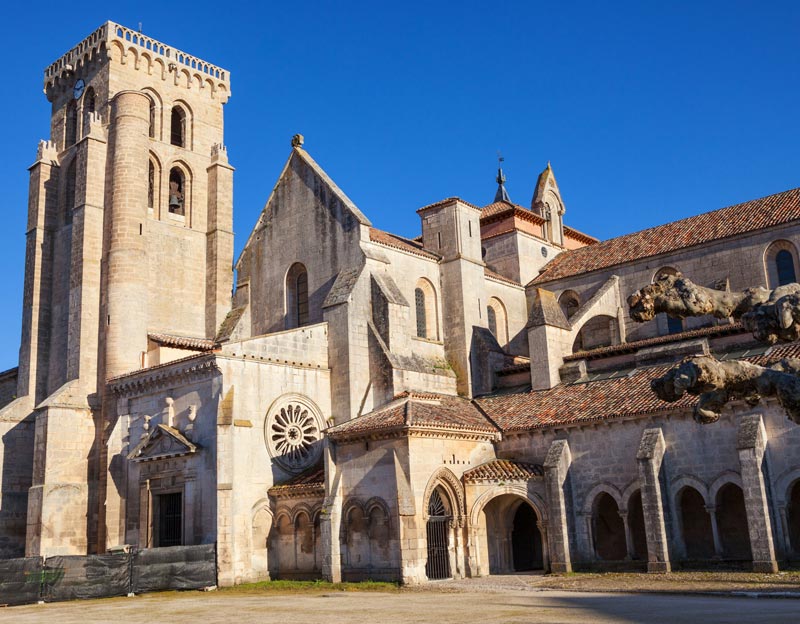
[[507, 536], [437, 530]]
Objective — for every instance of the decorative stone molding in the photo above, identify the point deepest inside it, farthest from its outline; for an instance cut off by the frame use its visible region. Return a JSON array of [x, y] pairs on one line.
[[180, 372]]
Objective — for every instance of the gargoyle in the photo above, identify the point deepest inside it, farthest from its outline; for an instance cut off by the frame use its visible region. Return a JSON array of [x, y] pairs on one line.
[[772, 316], [719, 382]]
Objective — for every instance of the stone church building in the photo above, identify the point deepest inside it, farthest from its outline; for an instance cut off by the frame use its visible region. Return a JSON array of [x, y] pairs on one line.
[[472, 401]]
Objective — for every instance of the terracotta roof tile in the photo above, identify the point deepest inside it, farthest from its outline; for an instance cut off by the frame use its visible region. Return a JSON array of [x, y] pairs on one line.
[[412, 409], [311, 482], [182, 342], [606, 399], [586, 402], [723, 223], [580, 236], [501, 208], [503, 470], [398, 242]]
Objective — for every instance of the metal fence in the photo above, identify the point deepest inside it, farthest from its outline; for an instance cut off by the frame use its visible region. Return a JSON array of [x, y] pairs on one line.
[[33, 579]]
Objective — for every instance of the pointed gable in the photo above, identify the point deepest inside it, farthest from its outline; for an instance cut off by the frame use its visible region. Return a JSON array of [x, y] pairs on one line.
[[547, 194], [163, 442]]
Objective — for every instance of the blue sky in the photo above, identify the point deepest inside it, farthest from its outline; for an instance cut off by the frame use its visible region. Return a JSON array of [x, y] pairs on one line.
[[648, 111]]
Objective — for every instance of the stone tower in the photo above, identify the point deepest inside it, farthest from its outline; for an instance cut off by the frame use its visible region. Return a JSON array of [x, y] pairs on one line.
[[129, 233]]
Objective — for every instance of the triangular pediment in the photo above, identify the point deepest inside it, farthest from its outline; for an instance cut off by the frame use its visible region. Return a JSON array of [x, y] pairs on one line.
[[163, 442]]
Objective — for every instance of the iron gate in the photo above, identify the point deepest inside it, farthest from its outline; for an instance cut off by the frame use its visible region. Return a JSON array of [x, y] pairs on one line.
[[438, 564]]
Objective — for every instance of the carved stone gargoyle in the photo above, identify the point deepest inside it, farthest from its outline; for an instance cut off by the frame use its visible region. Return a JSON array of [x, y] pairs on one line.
[[772, 316]]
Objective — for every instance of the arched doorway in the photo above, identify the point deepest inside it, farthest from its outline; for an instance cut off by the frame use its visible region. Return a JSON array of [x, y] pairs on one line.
[[636, 527], [507, 537], [732, 523], [438, 534], [526, 540], [698, 538], [793, 517], [609, 529]]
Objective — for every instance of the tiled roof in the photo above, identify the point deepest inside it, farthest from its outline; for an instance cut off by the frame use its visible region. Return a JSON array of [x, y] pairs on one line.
[[311, 482], [182, 342], [606, 399], [413, 409], [489, 273], [398, 242], [723, 223], [500, 208], [628, 347], [580, 236], [587, 402], [503, 470]]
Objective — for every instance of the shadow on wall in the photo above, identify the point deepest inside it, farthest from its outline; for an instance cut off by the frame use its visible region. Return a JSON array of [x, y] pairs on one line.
[[18, 442]]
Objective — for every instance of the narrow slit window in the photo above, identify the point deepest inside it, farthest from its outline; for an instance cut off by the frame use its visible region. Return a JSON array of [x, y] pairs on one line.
[[422, 324], [178, 127]]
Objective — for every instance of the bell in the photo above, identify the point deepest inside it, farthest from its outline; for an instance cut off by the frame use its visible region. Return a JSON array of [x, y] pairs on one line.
[[175, 201]]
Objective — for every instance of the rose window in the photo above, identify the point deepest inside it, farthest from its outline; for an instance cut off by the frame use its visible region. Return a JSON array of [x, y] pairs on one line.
[[294, 434]]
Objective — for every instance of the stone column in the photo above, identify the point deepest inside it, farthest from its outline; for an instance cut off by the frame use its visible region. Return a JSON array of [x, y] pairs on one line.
[[628, 536], [219, 245], [752, 443], [331, 519], [556, 468], [712, 514], [649, 457], [126, 260]]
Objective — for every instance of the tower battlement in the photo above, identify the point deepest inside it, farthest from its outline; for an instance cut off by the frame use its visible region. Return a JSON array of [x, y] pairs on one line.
[[132, 43]]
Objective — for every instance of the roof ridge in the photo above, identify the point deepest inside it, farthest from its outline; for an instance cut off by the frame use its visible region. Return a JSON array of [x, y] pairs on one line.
[[702, 228]]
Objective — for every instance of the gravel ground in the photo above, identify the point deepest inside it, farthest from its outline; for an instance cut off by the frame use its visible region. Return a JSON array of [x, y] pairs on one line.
[[469, 604]]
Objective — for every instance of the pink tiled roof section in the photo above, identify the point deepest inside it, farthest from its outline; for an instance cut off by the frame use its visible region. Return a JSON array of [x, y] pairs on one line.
[[750, 216], [500, 207], [412, 409], [398, 242], [503, 470]]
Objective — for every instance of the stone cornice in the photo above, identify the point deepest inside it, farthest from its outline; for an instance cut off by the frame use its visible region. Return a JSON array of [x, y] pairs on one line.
[[186, 370]]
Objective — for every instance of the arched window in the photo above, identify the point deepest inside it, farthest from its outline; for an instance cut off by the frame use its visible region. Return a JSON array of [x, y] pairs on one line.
[[569, 301], [71, 133], [151, 132], [781, 263], [426, 309], [608, 529], [151, 184], [422, 322], [178, 127], [69, 192], [297, 310], [784, 263], [667, 324], [497, 320], [177, 191], [88, 109]]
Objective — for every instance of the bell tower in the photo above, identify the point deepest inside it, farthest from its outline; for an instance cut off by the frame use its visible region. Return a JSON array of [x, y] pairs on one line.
[[129, 233]]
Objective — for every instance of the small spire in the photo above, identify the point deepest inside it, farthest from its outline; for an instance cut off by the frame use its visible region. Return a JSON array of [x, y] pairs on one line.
[[502, 193]]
